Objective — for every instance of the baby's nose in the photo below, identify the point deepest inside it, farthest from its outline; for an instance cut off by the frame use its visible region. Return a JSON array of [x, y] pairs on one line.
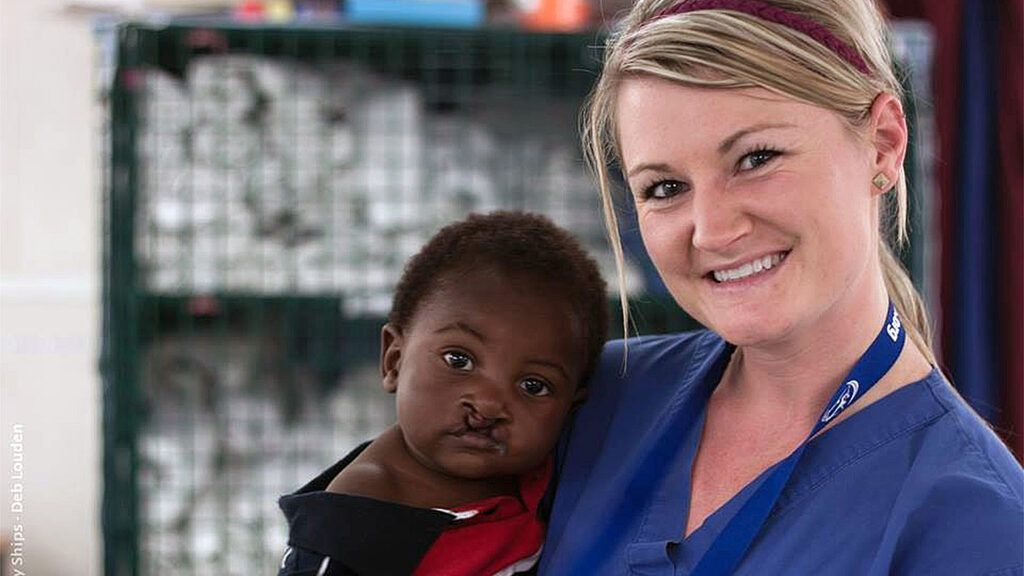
[[483, 414]]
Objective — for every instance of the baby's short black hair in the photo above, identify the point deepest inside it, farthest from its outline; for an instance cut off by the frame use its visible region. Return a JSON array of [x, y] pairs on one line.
[[516, 243]]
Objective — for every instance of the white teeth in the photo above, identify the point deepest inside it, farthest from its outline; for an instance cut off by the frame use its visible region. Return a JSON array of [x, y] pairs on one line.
[[748, 269]]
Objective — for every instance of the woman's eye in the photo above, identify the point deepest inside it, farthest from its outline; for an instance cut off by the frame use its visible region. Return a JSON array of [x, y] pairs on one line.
[[458, 360], [756, 159], [664, 189], [535, 387]]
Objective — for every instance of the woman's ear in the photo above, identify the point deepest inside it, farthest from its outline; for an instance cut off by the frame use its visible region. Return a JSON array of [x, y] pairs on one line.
[[390, 357], [888, 137]]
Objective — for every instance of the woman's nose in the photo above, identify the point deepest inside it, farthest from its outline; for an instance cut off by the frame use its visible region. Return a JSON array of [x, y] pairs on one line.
[[718, 220]]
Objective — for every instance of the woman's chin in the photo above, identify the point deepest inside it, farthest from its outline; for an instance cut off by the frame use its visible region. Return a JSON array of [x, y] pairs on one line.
[[749, 331]]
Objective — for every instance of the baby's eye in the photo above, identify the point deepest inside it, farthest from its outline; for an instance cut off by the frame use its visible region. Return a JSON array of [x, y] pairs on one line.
[[663, 189], [458, 360], [535, 387], [756, 159]]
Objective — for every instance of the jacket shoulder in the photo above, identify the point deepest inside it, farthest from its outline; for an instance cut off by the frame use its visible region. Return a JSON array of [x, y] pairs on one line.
[[968, 513], [642, 353]]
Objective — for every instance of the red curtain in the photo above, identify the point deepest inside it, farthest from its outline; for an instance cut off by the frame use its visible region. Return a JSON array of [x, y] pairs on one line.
[[1010, 132], [946, 20]]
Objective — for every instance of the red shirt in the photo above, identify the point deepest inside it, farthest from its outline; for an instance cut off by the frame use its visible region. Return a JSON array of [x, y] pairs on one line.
[[502, 535]]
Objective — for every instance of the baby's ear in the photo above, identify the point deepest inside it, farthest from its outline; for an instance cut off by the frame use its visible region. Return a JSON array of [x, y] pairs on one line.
[[390, 357]]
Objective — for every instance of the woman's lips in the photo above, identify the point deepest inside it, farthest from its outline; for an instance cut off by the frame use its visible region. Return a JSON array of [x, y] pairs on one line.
[[746, 275], [753, 267]]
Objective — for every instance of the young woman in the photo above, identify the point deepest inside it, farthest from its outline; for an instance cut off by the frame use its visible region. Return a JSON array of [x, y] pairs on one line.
[[807, 431]]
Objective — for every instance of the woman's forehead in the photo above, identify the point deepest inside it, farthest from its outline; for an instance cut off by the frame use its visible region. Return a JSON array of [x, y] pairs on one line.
[[652, 94], [652, 111]]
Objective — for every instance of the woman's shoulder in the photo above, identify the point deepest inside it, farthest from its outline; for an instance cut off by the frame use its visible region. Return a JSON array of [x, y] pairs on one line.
[[639, 377], [657, 341], [658, 352], [979, 454], [651, 365], [964, 497]]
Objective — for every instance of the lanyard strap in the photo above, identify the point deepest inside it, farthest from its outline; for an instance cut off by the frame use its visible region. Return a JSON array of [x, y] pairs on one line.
[[732, 543]]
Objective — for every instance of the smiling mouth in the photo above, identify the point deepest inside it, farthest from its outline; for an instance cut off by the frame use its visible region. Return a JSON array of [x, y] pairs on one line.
[[748, 269]]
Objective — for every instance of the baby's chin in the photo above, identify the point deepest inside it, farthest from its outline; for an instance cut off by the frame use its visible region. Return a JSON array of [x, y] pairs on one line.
[[497, 467]]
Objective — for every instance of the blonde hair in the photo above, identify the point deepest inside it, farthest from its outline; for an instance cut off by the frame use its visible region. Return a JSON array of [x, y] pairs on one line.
[[726, 49]]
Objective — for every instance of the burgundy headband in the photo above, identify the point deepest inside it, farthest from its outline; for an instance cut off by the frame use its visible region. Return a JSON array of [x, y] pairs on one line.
[[772, 13]]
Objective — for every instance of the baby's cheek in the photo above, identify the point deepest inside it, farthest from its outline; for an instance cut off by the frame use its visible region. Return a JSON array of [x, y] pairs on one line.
[[546, 430]]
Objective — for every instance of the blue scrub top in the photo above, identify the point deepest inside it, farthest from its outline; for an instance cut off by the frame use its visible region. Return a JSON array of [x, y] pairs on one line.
[[914, 483]]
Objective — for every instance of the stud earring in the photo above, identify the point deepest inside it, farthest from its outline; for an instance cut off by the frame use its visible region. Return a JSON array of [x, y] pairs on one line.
[[881, 181]]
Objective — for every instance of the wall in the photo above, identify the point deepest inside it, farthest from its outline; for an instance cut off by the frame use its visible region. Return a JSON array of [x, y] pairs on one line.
[[50, 224]]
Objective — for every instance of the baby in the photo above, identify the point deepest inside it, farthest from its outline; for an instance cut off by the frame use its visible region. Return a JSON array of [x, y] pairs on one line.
[[494, 328]]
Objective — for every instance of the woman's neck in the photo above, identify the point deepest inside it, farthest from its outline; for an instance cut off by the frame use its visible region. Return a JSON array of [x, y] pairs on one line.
[[796, 375]]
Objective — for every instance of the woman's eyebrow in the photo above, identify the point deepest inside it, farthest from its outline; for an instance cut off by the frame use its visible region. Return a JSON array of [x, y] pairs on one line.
[[656, 166], [729, 142], [723, 148]]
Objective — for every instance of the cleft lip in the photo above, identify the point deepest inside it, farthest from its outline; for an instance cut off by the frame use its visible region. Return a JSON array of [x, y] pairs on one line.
[[482, 439], [482, 433], [476, 420]]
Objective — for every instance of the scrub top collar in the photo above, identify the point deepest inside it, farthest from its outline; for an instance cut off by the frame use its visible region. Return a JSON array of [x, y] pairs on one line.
[[918, 404]]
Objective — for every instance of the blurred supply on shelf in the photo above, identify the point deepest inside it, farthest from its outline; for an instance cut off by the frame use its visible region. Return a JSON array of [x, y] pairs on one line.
[[557, 15], [318, 7], [280, 11], [459, 13], [147, 7], [250, 11], [267, 176]]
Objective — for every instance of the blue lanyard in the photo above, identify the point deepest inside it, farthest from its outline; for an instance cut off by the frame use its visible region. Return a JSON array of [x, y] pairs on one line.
[[732, 543]]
